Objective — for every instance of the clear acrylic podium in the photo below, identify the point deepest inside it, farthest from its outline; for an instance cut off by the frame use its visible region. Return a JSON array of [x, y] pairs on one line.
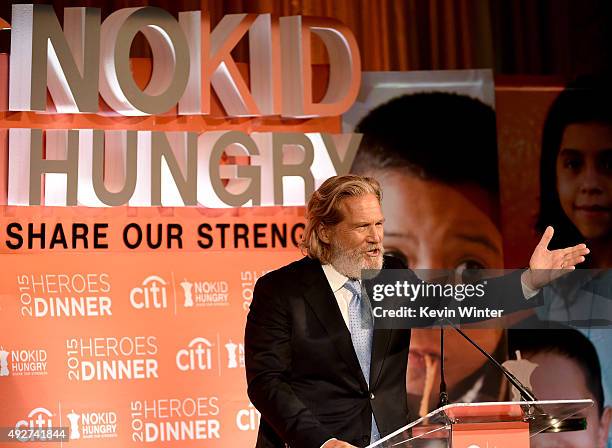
[[483, 425]]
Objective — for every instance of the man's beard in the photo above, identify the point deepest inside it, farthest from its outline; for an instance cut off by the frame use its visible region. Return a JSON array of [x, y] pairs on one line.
[[350, 262]]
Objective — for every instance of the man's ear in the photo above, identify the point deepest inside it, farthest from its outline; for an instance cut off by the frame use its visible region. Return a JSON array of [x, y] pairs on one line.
[[604, 427], [323, 232]]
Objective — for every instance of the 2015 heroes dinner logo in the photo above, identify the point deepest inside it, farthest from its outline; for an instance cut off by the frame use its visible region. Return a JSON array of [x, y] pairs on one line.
[[112, 358], [53, 295], [175, 419]]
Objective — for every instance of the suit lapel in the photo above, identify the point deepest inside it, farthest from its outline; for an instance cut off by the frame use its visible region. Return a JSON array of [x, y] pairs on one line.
[[380, 345], [321, 299]]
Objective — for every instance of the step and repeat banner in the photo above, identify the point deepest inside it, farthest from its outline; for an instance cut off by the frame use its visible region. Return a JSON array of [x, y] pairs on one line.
[[141, 199]]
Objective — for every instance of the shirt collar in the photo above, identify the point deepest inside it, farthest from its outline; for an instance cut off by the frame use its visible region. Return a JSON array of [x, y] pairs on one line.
[[335, 279]]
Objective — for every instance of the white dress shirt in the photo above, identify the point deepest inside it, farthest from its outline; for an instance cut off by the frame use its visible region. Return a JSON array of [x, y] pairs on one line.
[[343, 296]]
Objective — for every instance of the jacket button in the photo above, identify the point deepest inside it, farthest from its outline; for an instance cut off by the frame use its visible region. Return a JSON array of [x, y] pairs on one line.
[[372, 396]]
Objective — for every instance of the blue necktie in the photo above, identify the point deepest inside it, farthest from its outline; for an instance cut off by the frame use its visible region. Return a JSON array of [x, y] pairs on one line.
[[361, 327]]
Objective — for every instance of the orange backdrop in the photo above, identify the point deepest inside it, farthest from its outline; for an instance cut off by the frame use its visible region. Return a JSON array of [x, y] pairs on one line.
[[136, 344]]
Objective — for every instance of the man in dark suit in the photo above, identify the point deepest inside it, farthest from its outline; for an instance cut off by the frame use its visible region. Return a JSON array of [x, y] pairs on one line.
[[318, 372]]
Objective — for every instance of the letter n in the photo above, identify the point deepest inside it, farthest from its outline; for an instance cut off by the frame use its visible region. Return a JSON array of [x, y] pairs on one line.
[[43, 56]]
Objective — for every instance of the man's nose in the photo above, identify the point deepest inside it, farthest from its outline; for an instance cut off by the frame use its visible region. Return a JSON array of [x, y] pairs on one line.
[[375, 234]]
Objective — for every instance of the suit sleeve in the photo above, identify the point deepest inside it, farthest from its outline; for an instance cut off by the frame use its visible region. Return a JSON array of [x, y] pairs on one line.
[[505, 292], [508, 292], [268, 365]]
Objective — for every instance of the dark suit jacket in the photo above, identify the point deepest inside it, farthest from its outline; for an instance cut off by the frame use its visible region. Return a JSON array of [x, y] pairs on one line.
[[302, 371]]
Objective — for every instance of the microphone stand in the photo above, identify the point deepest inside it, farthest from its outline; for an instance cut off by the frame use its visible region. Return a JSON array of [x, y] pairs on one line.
[[443, 394], [526, 394], [569, 424], [552, 425]]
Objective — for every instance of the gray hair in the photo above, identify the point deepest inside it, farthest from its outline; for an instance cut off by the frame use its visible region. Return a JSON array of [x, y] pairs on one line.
[[324, 209]]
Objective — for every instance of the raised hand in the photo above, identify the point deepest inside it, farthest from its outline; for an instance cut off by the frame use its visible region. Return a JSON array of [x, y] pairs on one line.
[[546, 265]]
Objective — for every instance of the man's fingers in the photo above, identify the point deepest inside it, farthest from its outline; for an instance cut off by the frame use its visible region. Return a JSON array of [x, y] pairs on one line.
[[546, 237], [570, 262], [579, 249], [573, 255]]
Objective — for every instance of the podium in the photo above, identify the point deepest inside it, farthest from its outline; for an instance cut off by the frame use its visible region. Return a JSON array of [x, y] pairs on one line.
[[484, 425]]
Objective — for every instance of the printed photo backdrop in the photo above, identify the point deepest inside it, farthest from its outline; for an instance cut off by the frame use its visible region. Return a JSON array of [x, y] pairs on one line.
[[523, 107], [434, 132]]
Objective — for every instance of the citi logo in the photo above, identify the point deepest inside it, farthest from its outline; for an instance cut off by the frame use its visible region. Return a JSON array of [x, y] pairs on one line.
[[248, 419], [37, 418], [152, 294], [197, 356]]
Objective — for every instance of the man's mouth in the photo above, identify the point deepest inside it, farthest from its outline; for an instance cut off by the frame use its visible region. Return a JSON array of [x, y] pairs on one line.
[[373, 252]]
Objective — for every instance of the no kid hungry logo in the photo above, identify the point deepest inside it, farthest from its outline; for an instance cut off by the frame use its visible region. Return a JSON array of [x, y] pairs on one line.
[[190, 61]]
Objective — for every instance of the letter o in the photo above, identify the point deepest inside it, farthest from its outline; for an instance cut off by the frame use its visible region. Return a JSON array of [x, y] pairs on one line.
[[126, 231], [170, 61]]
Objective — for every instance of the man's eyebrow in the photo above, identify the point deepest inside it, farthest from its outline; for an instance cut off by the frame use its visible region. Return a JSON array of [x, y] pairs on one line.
[[365, 223]]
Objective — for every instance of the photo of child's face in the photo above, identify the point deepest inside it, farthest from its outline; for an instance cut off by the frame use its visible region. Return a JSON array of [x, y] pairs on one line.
[[584, 177], [432, 225], [570, 385]]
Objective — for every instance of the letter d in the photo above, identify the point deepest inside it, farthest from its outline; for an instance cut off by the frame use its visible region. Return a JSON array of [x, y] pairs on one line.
[[41, 308], [88, 371], [151, 432]]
